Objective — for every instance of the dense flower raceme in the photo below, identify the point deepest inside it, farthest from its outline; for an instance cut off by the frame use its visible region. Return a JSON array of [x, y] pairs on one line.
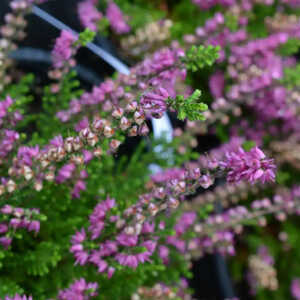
[[36, 165], [125, 249], [133, 227], [216, 233], [249, 166], [156, 75], [62, 51], [14, 218], [63, 60], [8, 119], [116, 18]]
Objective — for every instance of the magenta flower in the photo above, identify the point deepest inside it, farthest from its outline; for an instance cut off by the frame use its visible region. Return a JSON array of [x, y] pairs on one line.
[[155, 102], [127, 260], [116, 18], [250, 166], [62, 51], [127, 240], [295, 288], [80, 290], [88, 14], [168, 175], [65, 172], [216, 84]]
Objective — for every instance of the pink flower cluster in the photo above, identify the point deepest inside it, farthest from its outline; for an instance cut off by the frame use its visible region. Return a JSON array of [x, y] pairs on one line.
[[249, 166], [168, 175], [116, 18], [155, 102], [89, 15], [121, 248], [295, 288], [156, 77], [16, 218], [63, 48], [79, 290]]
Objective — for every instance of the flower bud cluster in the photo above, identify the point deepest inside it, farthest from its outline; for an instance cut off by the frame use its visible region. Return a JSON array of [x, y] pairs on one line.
[[216, 232], [287, 151], [158, 73], [161, 291], [262, 273], [8, 136], [148, 38], [226, 194], [11, 32]]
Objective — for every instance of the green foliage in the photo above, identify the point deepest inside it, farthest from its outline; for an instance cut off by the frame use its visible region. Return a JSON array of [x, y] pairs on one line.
[[141, 12], [103, 26], [85, 37], [231, 21], [248, 145], [197, 58], [291, 47], [189, 108], [291, 77]]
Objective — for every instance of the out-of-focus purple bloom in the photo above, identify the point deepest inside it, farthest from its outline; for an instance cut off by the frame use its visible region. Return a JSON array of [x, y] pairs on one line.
[[62, 51], [88, 14], [65, 172], [80, 290], [216, 84], [168, 175], [116, 18], [295, 288]]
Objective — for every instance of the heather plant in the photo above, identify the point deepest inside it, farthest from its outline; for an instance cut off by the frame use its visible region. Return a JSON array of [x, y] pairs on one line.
[[79, 219]]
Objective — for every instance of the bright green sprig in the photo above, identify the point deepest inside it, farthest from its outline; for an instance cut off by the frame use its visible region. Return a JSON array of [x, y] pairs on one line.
[[197, 58], [190, 107], [86, 37], [103, 26], [291, 47], [291, 77]]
